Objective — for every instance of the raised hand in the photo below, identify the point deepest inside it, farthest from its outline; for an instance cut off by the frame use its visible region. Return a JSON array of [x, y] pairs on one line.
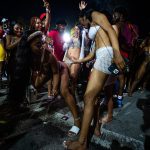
[[44, 1], [82, 5], [46, 4]]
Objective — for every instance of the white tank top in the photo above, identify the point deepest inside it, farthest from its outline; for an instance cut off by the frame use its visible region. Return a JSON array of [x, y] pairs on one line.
[[92, 32]]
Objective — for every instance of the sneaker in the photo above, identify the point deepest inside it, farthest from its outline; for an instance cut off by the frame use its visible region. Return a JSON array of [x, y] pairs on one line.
[[119, 102]]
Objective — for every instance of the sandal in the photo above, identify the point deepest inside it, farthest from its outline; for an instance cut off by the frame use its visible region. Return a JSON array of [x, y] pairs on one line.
[[73, 131]]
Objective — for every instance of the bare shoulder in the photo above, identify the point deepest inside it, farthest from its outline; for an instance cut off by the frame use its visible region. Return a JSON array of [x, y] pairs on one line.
[[52, 58], [115, 27], [97, 15], [49, 54]]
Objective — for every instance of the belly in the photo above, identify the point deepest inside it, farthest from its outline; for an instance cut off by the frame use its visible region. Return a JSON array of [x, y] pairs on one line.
[[101, 40], [74, 52]]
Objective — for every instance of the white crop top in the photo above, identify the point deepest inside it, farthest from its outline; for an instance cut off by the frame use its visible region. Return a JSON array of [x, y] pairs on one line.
[[92, 32]]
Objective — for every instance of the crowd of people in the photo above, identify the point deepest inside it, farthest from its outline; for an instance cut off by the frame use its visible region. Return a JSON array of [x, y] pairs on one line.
[[104, 46]]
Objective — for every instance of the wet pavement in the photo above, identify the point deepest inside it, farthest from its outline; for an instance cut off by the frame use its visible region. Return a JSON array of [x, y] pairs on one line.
[[42, 137], [45, 128]]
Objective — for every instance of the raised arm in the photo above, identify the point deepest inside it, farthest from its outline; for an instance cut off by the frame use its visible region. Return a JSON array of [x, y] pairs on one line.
[[116, 29], [82, 5], [55, 72], [48, 16]]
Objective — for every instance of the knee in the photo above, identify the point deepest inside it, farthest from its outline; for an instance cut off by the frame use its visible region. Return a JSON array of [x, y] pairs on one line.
[[64, 92], [73, 76], [89, 100]]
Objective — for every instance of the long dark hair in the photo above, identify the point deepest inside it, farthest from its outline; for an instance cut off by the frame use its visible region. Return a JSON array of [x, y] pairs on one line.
[[21, 71], [33, 22], [11, 32], [87, 13]]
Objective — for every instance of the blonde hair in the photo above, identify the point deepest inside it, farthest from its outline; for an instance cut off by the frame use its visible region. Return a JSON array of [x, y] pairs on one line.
[[72, 32]]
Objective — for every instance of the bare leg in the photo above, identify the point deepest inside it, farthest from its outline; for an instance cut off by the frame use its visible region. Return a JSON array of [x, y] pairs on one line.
[[49, 87], [109, 95], [129, 84], [97, 118], [121, 84], [95, 85], [69, 97], [138, 77], [121, 87], [74, 70], [146, 81], [109, 116]]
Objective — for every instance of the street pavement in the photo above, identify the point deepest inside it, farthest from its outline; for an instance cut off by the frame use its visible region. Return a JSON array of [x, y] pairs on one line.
[[46, 129]]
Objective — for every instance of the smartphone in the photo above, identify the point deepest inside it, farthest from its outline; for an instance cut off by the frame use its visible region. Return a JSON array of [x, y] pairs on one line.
[[113, 69]]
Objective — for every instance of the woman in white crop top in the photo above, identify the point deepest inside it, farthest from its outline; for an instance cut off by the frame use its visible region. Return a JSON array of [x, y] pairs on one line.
[[106, 49], [73, 50]]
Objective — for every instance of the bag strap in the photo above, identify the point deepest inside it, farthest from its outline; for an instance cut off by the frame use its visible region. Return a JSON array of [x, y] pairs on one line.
[[102, 40]]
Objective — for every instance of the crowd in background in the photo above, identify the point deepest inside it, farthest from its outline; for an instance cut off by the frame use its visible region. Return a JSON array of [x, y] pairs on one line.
[[106, 53]]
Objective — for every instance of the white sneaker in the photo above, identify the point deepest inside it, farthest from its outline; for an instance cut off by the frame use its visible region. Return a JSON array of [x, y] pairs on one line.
[[4, 79]]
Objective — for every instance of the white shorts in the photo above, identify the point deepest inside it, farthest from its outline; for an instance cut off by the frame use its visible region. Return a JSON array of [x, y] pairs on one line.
[[104, 58]]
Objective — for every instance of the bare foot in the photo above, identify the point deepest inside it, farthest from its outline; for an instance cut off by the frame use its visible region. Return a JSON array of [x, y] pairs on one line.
[[107, 119], [97, 132], [74, 145], [97, 129]]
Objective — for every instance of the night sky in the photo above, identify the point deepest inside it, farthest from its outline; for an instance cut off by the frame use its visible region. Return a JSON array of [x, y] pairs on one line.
[[68, 9]]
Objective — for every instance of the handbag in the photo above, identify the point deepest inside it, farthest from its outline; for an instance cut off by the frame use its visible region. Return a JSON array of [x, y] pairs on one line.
[[114, 69]]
